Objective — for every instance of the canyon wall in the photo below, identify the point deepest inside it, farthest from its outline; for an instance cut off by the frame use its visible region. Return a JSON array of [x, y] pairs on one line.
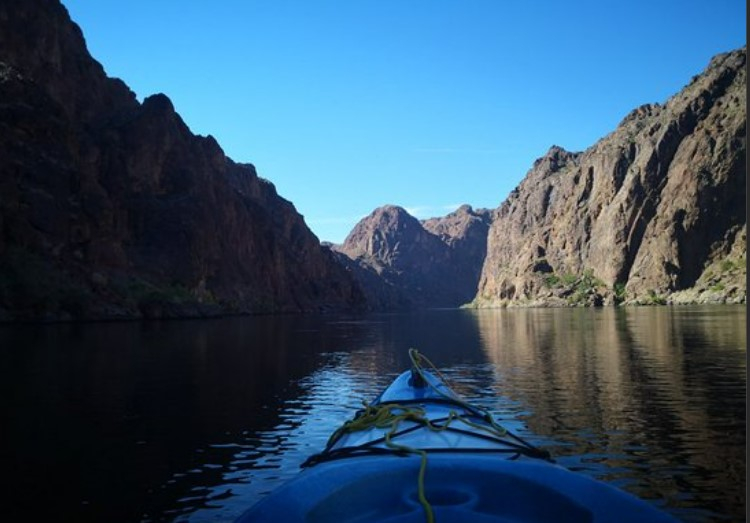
[[652, 213], [111, 208]]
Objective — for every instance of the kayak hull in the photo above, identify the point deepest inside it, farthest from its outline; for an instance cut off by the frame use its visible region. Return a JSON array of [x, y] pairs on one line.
[[459, 487]]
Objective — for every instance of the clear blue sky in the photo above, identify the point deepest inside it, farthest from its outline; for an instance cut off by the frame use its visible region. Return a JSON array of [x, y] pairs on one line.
[[348, 105]]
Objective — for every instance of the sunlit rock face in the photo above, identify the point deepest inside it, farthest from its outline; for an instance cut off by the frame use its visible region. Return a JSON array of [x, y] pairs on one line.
[[113, 208], [406, 263], [654, 212]]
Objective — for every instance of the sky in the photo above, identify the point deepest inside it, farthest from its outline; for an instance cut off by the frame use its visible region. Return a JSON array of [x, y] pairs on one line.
[[348, 105]]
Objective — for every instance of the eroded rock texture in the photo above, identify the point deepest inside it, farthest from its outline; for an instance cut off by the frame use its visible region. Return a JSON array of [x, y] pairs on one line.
[[654, 212], [404, 263]]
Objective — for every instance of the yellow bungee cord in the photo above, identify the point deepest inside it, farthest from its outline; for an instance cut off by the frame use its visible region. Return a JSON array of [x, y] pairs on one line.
[[417, 359], [388, 417]]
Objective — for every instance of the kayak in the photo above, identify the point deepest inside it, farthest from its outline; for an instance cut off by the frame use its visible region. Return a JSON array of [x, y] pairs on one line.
[[421, 453]]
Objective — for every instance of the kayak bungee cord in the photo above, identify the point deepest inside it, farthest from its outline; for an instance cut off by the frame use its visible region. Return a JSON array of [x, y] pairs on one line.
[[389, 416], [418, 358]]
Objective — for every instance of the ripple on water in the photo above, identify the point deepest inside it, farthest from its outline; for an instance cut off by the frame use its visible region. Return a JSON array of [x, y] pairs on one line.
[[633, 431]]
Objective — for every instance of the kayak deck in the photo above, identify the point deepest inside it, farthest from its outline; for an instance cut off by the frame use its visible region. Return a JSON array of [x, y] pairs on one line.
[[428, 417]]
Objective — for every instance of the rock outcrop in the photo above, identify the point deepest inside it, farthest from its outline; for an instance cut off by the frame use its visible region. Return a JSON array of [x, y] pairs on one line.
[[111, 208], [652, 213], [464, 231], [405, 263]]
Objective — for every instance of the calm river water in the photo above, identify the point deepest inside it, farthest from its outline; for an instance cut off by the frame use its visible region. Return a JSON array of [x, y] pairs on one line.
[[196, 420]]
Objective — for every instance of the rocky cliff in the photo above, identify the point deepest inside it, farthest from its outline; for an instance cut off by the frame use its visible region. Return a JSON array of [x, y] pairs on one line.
[[112, 208], [464, 232], [402, 262], [652, 213]]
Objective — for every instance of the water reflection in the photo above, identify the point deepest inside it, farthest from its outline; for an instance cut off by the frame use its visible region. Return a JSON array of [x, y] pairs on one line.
[[652, 399], [267, 458], [195, 420], [113, 422]]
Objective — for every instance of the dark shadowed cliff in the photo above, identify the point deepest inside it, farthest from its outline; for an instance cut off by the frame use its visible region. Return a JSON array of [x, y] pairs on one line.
[[652, 213], [403, 262], [112, 208]]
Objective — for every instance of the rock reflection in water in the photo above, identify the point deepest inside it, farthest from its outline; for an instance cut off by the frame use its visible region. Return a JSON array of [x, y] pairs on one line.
[[651, 399]]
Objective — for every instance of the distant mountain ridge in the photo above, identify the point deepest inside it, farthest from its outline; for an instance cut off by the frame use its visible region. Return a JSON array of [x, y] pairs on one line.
[[113, 209], [435, 263]]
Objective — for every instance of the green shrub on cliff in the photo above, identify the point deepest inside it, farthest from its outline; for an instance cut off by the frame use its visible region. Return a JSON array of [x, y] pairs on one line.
[[655, 298], [35, 287], [569, 278], [143, 293], [618, 289]]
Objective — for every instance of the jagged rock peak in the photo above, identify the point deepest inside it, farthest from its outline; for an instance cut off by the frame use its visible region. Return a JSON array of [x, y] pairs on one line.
[[555, 159], [462, 223], [38, 38], [390, 214], [639, 113], [158, 102], [385, 218], [381, 232], [730, 60], [462, 210]]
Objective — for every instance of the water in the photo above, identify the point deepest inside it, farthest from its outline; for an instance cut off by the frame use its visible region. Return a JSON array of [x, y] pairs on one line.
[[196, 420]]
